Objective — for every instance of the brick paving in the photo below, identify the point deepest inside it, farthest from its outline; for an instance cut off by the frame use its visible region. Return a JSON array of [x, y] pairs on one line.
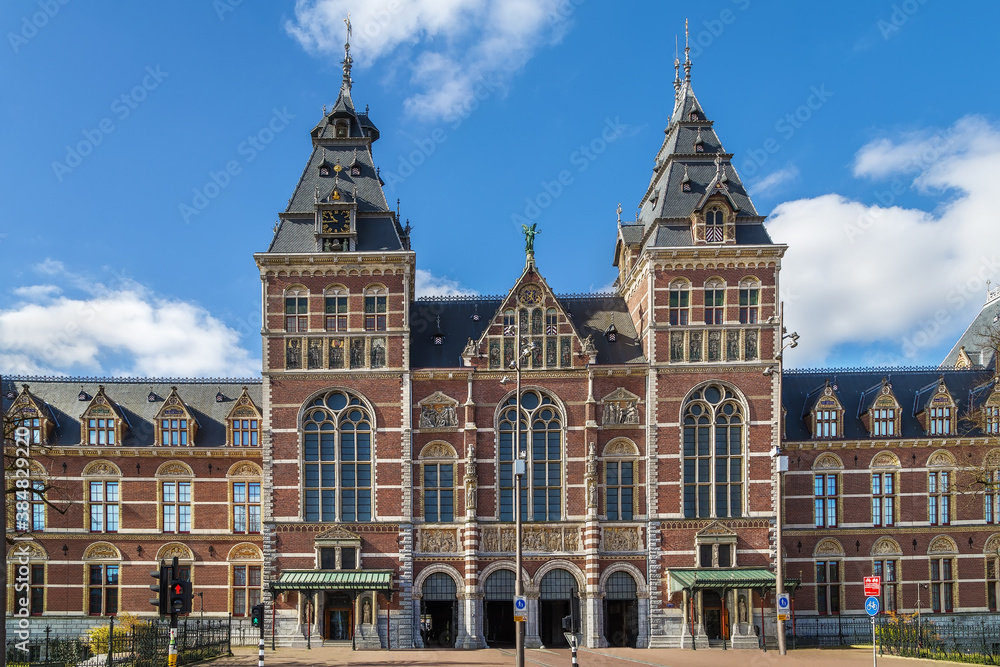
[[247, 657]]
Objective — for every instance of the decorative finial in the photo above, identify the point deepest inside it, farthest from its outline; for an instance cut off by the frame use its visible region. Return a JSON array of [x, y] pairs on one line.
[[687, 52], [347, 55], [529, 238], [324, 110], [677, 68], [316, 195], [619, 211], [397, 208]]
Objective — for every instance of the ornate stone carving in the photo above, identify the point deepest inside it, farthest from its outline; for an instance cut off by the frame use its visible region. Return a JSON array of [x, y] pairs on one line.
[[588, 346], [438, 411], [571, 539], [471, 480], [438, 450], [620, 539], [101, 550], [885, 460], [828, 462], [829, 547], [433, 540], [941, 460], [992, 545], [715, 529], [491, 540], [101, 469], [338, 533], [470, 349], [620, 407], [621, 448], [28, 550], [533, 539], [245, 469], [942, 545], [245, 552], [590, 477], [168, 551], [174, 468], [886, 547]]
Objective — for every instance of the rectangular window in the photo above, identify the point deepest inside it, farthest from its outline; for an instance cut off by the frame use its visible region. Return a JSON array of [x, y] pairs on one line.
[[714, 302], [618, 488], [356, 492], [991, 497], [348, 558], [883, 499], [103, 590], [439, 482], [375, 313], [336, 313], [940, 421], [32, 521], [177, 507], [296, 314], [101, 431], [679, 302], [942, 585], [991, 583], [31, 601], [749, 305], [993, 419], [886, 569], [828, 587], [705, 555], [938, 499], [825, 500], [883, 422], [246, 588], [174, 432], [104, 507], [245, 432], [826, 423], [246, 507]]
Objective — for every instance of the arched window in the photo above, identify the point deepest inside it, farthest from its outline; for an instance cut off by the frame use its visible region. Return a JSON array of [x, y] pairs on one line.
[[620, 458], [337, 452], [438, 474], [749, 301], [336, 308], [715, 301], [713, 454], [102, 562], [341, 128], [544, 474], [680, 301], [102, 484], [375, 308], [297, 310], [245, 562], [27, 563], [715, 220]]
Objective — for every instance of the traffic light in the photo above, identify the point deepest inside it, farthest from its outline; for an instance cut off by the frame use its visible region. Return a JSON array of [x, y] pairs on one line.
[[567, 623], [179, 597], [161, 588], [257, 616]]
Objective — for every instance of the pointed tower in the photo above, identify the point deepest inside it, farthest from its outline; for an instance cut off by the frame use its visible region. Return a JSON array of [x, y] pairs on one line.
[[337, 283]]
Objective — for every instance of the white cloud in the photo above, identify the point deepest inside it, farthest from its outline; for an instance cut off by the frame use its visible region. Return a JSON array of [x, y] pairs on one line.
[[773, 181], [119, 331], [37, 292], [452, 48], [430, 285], [903, 278]]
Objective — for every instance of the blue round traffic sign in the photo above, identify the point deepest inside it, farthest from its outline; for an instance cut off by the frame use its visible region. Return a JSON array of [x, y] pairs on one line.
[[519, 603], [871, 606], [783, 602]]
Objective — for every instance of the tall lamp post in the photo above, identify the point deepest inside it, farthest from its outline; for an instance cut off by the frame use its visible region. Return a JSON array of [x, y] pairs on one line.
[[781, 464], [520, 468]]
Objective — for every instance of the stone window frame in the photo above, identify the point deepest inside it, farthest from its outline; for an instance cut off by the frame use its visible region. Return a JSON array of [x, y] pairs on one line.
[[829, 551], [103, 472], [245, 555], [620, 450], [379, 294], [297, 319], [438, 453], [245, 472], [341, 321], [174, 471], [679, 302], [102, 554], [37, 556]]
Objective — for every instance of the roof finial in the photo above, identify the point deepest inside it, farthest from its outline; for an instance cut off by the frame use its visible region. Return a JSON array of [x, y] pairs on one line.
[[347, 55], [687, 52], [677, 67]]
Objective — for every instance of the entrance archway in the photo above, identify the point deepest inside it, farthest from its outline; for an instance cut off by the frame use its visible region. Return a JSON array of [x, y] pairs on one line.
[[439, 611], [715, 615], [621, 610], [498, 601], [558, 597]]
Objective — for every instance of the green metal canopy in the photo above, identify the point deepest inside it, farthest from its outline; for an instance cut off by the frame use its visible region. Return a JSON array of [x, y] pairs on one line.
[[334, 580], [734, 577]]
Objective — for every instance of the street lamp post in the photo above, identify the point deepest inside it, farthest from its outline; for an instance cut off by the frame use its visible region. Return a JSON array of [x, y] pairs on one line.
[[781, 463]]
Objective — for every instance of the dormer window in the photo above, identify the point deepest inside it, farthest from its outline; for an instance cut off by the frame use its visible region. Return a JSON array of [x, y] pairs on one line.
[[992, 414], [884, 413], [693, 115], [324, 170], [174, 425], [940, 421], [699, 144], [355, 170], [939, 413], [827, 415], [341, 129], [715, 221]]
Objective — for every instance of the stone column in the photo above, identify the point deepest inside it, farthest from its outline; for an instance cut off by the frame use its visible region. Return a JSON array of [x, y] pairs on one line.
[[642, 640], [531, 637], [592, 611], [418, 637]]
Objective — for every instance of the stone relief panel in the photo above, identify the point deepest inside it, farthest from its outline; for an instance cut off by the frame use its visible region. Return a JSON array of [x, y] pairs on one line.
[[438, 411], [621, 539], [620, 407], [438, 540], [533, 539]]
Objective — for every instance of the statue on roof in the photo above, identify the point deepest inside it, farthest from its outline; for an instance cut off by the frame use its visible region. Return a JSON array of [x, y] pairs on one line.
[[529, 237]]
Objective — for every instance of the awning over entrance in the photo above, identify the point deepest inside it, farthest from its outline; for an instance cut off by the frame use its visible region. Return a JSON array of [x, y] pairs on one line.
[[334, 580], [734, 577]]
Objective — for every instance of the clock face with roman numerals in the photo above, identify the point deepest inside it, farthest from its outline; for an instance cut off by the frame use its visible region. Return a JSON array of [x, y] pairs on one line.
[[336, 222]]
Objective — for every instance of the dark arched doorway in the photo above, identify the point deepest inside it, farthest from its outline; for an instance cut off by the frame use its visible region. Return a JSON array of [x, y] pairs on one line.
[[438, 611], [715, 615], [621, 610], [498, 603], [558, 598]]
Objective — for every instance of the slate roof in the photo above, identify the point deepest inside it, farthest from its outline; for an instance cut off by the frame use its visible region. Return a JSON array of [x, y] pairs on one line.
[[374, 233], [131, 396], [974, 341], [679, 160], [853, 390], [591, 315]]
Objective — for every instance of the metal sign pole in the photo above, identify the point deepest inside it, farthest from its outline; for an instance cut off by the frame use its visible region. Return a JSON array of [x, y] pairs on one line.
[[874, 652]]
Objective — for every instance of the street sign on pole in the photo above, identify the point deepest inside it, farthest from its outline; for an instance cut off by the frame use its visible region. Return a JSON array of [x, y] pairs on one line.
[[871, 606], [783, 607], [873, 586], [520, 609]]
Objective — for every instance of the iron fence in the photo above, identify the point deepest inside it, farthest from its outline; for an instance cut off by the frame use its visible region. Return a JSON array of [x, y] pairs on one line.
[[141, 645]]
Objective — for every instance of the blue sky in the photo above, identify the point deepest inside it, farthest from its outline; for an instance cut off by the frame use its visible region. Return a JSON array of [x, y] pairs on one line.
[[866, 130]]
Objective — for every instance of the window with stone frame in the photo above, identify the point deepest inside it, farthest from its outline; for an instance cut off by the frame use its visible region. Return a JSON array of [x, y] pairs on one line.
[[246, 507], [942, 585], [886, 569], [715, 301], [246, 588], [939, 412], [828, 583], [749, 301], [336, 308], [175, 506], [992, 576], [715, 225], [376, 297], [103, 501], [297, 310], [883, 498], [826, 500], [713, 443], [27, 565], [174, 425], [939, 497], [940, 420], [883, 415], [680, 302], [827, 415], [439, 491], [991, 414], [102, 589], [991, 496], [541, 440], [337, 452]]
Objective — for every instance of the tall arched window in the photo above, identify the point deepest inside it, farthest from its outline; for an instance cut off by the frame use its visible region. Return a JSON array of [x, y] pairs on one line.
[[544, 475], [713, 454], [337, 452], [680, 301]]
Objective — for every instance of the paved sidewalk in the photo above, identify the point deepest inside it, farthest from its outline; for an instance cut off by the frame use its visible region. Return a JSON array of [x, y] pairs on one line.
[[611, 657]]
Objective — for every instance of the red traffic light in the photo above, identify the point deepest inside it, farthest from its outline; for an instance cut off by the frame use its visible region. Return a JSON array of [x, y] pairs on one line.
[[178, 589]]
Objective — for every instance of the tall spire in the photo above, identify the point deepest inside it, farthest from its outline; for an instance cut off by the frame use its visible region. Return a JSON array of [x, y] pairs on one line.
[[347, 61], [687, 53], [677, 68]]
